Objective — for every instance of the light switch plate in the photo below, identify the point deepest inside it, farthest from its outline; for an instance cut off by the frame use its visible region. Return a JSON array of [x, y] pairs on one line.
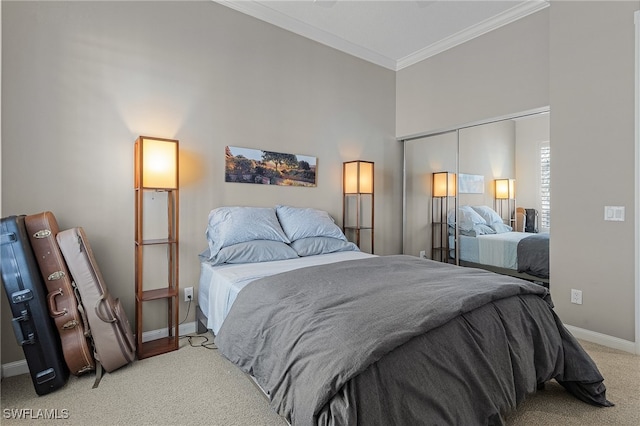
[[614, 213]]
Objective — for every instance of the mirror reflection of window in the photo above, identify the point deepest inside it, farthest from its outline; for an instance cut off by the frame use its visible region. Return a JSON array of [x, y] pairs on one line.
[[545, 183]]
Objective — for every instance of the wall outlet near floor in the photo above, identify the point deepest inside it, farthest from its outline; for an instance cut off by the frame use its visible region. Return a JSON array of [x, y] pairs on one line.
[[423, 254], [576, 296], [188, 294]]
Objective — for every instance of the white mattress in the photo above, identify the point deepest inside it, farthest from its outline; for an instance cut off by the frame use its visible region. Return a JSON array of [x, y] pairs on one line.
[[219, 285], [499, 250]]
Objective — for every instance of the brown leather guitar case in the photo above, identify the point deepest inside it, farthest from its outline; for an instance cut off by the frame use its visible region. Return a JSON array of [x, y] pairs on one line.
[[64, 306], [112, 336]]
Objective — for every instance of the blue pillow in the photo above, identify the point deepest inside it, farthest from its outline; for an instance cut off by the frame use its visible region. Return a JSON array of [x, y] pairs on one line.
[[321, 245], [251, 252], [298, 222], [233, 225]]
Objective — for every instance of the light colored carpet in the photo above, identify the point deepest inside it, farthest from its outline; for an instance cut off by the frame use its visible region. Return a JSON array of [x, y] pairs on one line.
[[196, 386]]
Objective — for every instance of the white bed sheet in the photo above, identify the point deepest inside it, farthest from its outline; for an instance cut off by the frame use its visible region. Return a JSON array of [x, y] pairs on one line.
[[499, 250], [219, 285]]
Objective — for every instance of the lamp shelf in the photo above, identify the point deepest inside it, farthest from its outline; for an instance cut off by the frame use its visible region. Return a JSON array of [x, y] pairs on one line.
[[157, 346], [157, 241], [156, 169], [159, 293]]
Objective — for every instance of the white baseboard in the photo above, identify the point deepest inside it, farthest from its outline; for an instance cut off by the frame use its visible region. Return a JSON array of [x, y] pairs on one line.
[[603, 339], [187, 328], [15, 368], [20, 367]]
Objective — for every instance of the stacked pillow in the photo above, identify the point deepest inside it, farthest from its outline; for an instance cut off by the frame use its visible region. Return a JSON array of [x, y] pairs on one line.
[[261, 234], [477, 220], [312, 231], [245, 234], [492, 219]]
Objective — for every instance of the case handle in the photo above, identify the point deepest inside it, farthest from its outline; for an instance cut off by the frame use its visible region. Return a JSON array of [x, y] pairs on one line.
[[99, 312], [52, 305], [17, 329]]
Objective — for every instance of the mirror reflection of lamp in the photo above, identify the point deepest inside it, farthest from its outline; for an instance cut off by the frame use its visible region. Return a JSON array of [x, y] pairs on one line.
[[505, 189], [444, 184]]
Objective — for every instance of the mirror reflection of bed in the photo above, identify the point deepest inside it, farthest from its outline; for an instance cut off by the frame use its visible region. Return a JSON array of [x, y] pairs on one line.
[[487, 242], [513, 150]]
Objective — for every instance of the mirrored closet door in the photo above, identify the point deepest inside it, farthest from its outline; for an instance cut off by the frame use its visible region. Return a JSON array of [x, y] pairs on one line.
[[512, 153]]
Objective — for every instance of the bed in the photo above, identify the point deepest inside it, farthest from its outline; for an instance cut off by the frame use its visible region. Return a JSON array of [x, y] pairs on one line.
[[486, 242], [344, 337]]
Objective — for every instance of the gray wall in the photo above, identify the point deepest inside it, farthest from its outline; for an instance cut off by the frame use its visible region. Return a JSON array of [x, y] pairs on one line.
[[577, 57], [502, 72], [592, 162], [81, 80]]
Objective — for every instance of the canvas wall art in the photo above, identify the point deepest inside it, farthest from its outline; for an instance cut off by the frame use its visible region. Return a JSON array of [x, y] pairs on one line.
[[471, 184], [249, 165]]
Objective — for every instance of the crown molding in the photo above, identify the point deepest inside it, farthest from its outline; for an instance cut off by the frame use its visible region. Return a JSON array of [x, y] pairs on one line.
[[266, 14], [283, 21], [495, 22]]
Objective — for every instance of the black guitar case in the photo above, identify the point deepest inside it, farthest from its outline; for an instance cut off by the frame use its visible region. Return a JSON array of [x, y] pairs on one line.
[[27, 294]]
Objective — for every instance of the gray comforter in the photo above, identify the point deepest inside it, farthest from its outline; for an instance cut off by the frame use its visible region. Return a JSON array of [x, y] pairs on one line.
[[533, 255], [401, 340]]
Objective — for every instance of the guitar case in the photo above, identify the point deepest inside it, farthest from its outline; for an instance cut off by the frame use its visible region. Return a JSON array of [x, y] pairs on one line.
[[113, 339], [64, 305], [32, 326]]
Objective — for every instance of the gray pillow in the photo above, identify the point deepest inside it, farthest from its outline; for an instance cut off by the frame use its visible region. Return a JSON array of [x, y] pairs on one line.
[[251, 252], [298, 222], [232, 225], [321, 245]]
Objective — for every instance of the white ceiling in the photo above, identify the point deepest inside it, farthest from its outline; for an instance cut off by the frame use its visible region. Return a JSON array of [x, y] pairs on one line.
[[393, 33]]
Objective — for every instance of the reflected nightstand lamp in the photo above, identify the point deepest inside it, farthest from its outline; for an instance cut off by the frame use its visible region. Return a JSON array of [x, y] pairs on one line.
[[157, 290], [357, 202], [443, 198], [505, 191]]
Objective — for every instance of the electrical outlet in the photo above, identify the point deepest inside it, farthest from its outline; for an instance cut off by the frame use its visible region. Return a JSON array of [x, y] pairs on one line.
[[188, 294], [423, 254], [576, 296]]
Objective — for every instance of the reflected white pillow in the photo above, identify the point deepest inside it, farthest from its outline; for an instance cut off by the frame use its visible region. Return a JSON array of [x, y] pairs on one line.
[[251, 252], [299, 222], [320, 245], [488, 214], [467, 218], [233, 225], [479, 229], [501, 228]]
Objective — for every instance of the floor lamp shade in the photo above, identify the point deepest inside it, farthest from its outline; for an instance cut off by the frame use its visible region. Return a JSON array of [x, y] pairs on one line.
[[505, 189], [156, 163], [358, 177], [444, 184]]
